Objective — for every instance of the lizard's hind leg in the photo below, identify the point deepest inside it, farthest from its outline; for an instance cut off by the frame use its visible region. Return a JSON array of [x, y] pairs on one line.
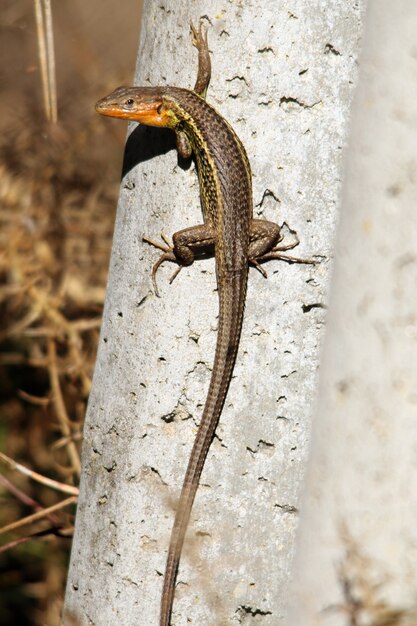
[[187, 244], [266, 243]]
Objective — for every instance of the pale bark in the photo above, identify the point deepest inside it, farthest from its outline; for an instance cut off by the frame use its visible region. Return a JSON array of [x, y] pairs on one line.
[[358, 535], [283, 77]]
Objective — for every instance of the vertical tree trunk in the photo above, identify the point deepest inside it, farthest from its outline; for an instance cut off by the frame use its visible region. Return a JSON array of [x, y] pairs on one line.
[[282, 76], [358, 537]]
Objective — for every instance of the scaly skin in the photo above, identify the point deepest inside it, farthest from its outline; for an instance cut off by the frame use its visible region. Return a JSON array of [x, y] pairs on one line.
[[228, 229]]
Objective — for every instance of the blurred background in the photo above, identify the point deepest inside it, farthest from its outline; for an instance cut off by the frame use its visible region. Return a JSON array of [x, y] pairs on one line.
[[59, 179]]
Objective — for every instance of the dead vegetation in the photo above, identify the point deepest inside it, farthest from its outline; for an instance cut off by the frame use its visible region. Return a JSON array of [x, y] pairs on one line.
[[56, 224], [58, 193]]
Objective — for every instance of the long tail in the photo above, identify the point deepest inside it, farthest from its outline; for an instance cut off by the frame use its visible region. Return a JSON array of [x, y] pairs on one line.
[[232, 294]]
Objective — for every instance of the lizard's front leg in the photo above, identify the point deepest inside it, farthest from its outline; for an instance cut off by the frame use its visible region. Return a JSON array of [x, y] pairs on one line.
[[199, 39], [187, 244], [266, 243]]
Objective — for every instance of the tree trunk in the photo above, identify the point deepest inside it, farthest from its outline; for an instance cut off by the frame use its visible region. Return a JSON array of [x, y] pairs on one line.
[[358, 539], [283, 77]]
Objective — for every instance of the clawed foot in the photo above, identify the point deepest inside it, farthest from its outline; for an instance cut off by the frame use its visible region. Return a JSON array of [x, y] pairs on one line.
[[198, 37], [168, 255], [278, 252]]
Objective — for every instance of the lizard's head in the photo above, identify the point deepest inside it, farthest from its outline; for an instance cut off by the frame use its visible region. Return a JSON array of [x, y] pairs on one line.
[[141, 104]]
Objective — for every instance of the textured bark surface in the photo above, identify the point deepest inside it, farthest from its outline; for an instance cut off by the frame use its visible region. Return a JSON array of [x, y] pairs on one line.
[[283, 77], [358, 535]]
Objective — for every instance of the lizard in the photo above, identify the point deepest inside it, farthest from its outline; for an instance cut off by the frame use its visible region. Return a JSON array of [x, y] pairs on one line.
[[228, 231]]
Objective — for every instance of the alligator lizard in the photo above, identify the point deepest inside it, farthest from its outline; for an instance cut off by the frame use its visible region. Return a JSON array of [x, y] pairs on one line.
[[229, 231]]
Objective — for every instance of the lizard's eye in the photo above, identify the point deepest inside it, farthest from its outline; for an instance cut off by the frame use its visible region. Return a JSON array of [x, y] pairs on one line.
[[160, 109], [129, 102]]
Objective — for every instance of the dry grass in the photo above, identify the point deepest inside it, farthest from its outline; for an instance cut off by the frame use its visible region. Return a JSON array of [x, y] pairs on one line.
[[56, 222], [58, 192]]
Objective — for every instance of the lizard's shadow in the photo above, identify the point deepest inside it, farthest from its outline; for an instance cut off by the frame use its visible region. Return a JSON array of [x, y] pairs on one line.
[[146, 142]]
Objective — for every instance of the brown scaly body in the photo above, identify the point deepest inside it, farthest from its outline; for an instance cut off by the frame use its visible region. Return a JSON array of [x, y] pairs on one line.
[[228, 230]]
